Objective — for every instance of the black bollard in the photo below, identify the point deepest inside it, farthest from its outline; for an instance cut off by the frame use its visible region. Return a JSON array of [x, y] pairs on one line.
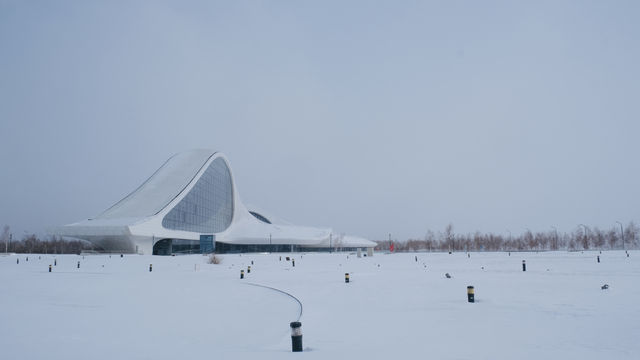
[[251, 262], [598, 258], [470, 294], [296, 336], [293, 262], [17, 261], [78, 264], [241, 274], [121, 255], [280, 258], [416, 259], [524, 266], [150, 267], [346, 278], [49, 267], [468, 255], [509, 253], [27, 258], [55, 262], [248, 269]]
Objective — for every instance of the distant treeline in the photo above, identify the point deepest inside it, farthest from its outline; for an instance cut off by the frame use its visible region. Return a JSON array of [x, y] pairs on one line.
[[32, 245], [583, 238]]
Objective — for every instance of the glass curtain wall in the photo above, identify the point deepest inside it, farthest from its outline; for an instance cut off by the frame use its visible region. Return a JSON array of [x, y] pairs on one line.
[[208, 207]]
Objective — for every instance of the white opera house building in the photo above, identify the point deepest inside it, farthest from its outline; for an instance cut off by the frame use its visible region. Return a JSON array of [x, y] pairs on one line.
[[191, 205]]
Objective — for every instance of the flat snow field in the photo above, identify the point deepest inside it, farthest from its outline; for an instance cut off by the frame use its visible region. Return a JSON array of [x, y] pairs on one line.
[[393, 307]]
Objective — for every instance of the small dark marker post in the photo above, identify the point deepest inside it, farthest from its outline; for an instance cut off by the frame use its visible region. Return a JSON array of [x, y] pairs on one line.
[[121, 255], [524, 265], [470, 294], [150, 267], [251, 262], [78, 264], [55, 262], [241, 274], [416, 258], [346, 278], [248, 269], [598, 258], [17, 261], [49, 267], [296, 336], [293, 262]]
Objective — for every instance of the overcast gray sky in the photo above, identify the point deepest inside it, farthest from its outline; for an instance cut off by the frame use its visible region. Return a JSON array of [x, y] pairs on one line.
[[368, 117]]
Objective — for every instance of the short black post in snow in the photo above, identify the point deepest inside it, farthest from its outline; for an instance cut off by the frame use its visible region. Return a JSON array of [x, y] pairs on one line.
[[524, 265], [470, 294], [78, 264], [468, 255], [296, 336], [49, 267], [55, 262], [17, 261], [598, 258], [251, 262], [150, 267], [241, 274], [293, 262], [416, 258], [346, 278], [121, 255], [248, 269]]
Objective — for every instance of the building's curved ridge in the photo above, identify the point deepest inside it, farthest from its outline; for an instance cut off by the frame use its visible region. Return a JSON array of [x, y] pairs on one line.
[[166, 184]]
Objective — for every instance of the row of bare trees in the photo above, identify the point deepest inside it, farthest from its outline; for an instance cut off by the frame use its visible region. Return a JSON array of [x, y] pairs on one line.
[[582, 238], [30, 243]]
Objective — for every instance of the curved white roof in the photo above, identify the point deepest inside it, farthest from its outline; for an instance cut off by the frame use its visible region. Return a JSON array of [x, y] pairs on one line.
[[162, 187]]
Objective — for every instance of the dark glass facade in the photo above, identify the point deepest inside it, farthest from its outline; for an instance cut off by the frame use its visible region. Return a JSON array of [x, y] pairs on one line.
[[260, 217], [208, 207]]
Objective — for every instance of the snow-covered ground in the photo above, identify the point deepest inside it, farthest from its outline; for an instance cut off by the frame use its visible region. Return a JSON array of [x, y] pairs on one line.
[[394, 306]]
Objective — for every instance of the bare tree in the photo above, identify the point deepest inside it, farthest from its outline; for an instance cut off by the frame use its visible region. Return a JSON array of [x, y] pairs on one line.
[[5, 237]]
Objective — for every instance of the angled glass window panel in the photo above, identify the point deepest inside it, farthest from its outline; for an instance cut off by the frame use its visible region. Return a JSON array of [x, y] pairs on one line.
[[214, 192], [260, 217]]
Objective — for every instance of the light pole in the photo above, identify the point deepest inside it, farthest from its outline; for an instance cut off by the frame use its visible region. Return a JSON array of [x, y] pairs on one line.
[[621, 233]]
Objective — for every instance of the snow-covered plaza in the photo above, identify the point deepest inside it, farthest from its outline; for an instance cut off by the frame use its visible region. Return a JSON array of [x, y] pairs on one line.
[[395, 306]]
